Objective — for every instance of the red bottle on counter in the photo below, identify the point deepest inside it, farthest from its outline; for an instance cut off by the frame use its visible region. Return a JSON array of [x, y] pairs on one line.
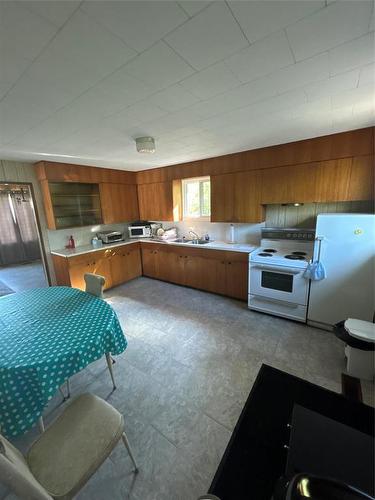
[[71, 243]]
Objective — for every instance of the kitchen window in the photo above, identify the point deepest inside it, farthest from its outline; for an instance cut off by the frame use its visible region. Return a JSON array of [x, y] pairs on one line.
[[196, 198]]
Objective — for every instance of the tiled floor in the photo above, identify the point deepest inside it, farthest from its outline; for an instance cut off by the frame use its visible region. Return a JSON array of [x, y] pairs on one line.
[[24, 276], [182, 382]]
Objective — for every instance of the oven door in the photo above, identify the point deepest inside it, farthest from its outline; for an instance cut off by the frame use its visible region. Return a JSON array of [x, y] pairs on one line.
[[279, 283]]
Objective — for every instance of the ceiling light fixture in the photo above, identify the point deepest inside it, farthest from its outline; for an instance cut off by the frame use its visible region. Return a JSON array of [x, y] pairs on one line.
[[145, 144]]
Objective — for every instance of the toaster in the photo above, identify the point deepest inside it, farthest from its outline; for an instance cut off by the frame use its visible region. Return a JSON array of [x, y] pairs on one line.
[[110, 236]]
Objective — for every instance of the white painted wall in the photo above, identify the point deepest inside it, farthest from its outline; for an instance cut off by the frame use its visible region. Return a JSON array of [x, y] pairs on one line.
[[244, 233]]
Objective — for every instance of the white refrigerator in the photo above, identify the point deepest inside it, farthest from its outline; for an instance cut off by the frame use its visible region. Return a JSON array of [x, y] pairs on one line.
[[347, 251]]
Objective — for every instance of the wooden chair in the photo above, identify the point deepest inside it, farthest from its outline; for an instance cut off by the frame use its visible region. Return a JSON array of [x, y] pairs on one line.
[[61, 461]]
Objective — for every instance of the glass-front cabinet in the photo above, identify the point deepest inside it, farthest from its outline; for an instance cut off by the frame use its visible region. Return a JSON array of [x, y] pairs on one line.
[[75, 204]]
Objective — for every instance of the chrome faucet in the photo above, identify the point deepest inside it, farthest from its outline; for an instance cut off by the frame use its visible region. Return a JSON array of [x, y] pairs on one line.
[[195, 236]]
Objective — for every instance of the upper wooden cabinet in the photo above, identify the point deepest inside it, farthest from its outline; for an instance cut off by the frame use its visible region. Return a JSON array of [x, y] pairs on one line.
[[66, 172], [156, 201], [291, 184], [119, 202], [236, 197], [362, 181], [346, 179]]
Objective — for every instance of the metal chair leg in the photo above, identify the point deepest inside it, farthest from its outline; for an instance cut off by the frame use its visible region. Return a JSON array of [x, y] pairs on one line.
[[109, 363], [127, 445], [67, 391], [41, 425]]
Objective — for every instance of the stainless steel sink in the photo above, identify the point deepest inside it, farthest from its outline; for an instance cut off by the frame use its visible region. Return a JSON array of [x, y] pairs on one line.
[[197, 242]]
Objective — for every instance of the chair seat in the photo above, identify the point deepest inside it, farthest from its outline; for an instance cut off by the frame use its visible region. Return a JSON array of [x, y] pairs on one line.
[[75, 445]]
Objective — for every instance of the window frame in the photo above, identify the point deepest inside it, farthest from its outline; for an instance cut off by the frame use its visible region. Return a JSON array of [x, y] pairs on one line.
[[185, 183]]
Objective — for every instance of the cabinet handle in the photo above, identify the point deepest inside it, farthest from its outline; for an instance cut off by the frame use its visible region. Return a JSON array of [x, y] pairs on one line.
[[229, 263], [186, 256]]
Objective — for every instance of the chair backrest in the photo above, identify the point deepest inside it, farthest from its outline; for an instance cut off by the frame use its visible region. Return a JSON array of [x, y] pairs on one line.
[[94, 284], [15, 474]]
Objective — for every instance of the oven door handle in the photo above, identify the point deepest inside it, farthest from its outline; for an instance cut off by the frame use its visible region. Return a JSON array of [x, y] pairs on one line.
[[292, 305], [285, 270]]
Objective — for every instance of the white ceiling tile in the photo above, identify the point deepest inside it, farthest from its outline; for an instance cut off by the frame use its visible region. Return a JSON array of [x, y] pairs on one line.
[[360, 96], [297, 75], [159, 67], [56, 12], [261, 58], [83, 41], [210, 36], [192, 7], [367, 75], [336, 24], [23, 35], [238, 97], [332, 85], [141, 112], [211, 81], [352, 54], [125, 19], [259, 19], [22, 32], [173, 98]]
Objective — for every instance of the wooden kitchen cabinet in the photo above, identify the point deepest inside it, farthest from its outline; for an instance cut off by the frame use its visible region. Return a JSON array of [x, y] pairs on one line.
[[156, 201], [125, 263], [362, 182], [333, 180], [117, 265], [292, 184], [237, 197], [237, 269], [119, 202], [215, 271]]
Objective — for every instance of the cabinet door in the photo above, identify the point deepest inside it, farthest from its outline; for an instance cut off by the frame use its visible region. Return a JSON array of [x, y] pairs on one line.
[[119, 202], [194, 270], [118, 266], [93, 262], [236, 197], [361, 185], [133, 265], [237, 269], [292, 184], [213, 273], [170, 264], [333, 180], [156, 201], [149, 254], [222, 198]]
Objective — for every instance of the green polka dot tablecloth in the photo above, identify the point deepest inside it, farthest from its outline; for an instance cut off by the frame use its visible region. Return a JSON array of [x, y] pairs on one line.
[[46, 336]]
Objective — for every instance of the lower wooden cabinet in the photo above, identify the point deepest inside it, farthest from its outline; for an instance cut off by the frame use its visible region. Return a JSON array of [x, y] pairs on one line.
[[215, 271], [117, 264]]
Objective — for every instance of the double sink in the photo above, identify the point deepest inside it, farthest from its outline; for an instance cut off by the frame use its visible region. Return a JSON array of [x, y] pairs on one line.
[[191, 242]]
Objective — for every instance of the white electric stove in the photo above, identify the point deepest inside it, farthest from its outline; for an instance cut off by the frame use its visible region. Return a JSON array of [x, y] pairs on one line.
[[276, 282]]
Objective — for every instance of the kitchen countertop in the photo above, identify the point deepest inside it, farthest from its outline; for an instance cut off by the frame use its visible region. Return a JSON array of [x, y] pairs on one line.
[[212, 245]]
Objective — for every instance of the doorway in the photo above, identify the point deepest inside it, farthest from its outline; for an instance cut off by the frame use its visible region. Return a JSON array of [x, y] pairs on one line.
[[21, 250]]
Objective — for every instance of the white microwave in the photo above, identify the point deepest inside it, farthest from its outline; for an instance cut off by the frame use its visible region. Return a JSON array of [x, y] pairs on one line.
[[139, 232]]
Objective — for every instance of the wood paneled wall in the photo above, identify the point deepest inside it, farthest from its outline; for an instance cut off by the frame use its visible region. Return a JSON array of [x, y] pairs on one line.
[[353, 143]]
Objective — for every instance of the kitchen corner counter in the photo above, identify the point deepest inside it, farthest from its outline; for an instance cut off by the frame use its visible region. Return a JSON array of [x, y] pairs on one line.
[[212, 245]]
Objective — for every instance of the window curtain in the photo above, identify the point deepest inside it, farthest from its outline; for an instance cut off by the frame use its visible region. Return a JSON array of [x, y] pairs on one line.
[[18, 232]]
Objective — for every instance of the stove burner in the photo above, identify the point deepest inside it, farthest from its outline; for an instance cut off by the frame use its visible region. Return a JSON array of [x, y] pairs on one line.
[[270, 250], [295, 257], [299, 253], [264, 254]]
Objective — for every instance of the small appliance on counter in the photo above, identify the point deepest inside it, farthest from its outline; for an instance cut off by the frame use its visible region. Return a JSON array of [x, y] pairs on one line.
[[276, 272], [140, 229], [110, 236]]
